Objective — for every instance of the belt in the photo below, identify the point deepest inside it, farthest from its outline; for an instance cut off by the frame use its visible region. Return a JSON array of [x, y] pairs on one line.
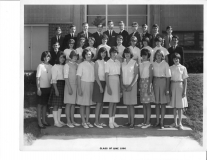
[[176, 81], [160, 77]]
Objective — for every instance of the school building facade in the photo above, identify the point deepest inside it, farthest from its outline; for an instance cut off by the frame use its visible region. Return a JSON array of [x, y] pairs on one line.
[[40, 22]]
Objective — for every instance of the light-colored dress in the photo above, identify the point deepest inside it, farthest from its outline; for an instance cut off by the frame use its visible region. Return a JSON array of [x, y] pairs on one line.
[[120, 53], [136, 53], [179, 73]]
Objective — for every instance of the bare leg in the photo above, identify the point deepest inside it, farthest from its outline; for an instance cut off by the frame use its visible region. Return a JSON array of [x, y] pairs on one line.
[[148, 107], [175, 116], [97, 113], [87, 113], [180, 116], [39, 114], [67, 112], [157, 113], [145, 113], [129, 115], [72, 111], [100, 112], [163, 106], [82, 112], [132, 114], [44, 114]]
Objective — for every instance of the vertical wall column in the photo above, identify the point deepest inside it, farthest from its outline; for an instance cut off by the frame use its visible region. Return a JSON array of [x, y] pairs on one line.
[[155, 16], [78, 17]]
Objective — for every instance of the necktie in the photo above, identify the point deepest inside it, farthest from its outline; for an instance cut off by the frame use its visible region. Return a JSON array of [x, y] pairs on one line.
[[71, 35]]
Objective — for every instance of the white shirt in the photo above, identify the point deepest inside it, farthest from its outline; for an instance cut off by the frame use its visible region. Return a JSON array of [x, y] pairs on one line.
[[136, 53], [101, 69], [151, 51], [161, 69], [178, 72], [79, 51], [112, 67], [128, 71], [86, 71], [57, 73], [165, 51], [45, 75], [120, 50], [144, 69], [67, 53], [107, 48]]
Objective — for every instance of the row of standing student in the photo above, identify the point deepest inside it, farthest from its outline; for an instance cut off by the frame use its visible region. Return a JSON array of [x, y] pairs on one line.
[[153, 80]]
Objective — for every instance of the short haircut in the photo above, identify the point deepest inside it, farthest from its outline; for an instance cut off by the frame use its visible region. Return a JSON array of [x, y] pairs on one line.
[[45, 54], [155, 26], [101, 50], [84, 23], [159, 51], [146, 39], [92, 38], [105, 37], [71, 26], [121, 22], [73, 53], [110, 21], [168, 27], [127, 50], [176, 55], [158, 39], [100, 24], [85, 51], [56, 43], [119, 37], [58, 27], [113, 49], [135, 24], [57, 61], [144, 25], [145, 51], [175, 36], [133, 38], [71, 41]]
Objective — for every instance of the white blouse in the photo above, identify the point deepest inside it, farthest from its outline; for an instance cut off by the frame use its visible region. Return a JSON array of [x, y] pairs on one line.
[[128, 71], [67, 53], [179, 72], [86, 71], [120, 52], [151, 51], [113, 67], [57, 73], [101, 69], [136, 53], [161, 69], [45, 75], [144, 69]]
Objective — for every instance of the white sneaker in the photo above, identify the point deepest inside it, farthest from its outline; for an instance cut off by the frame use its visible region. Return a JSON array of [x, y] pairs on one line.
[[111, 125], [98, 125], [140, 125], [90, 125], [57, 125], [116, 125], [146, 126], [62, 123], [70, 125], [76, 124], [85, 125]]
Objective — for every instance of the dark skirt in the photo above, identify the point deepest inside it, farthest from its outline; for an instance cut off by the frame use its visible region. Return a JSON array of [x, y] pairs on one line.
[[97, 95], [57, 100], [43, 99]]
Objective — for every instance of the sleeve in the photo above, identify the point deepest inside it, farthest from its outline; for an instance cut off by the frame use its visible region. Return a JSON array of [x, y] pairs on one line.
[[166, 52], [38, 74], [66, 70], [167, 69], [80, 70], [106, 67], [185, 73], [54, 74]]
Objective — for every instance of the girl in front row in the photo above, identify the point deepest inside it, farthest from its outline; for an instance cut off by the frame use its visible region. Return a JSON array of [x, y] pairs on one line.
[[146, 92], [70, 93], [112, 90], [129, 84], [57, 93], [43, 78], [99, 84], [85, 75], [178, 89], [70, 48]]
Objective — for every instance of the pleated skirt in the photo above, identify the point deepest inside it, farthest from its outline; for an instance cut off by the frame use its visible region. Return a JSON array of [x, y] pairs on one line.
[[130, 98], [115, 88], [70, 99], [176, 100]]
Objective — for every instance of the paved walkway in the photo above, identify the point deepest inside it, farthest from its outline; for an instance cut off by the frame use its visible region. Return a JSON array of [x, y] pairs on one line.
[[149, 143]]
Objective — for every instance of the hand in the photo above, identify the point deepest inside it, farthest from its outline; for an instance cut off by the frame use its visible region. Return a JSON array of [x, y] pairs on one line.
[[129, 88], [70, 91], [57, 93], [123, 87], [39, 93], [167, 92], [80, 92], [101, 89], [184, 95], [109, 91]]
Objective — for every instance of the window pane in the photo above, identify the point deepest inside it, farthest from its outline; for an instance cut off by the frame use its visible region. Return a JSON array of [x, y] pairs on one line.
[[116, 9], [139, 19], [117, 19], [137, 9], [96, 10], [95, 20]]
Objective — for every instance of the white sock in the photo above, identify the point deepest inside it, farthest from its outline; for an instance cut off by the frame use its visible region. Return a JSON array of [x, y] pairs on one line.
[[110, 119]]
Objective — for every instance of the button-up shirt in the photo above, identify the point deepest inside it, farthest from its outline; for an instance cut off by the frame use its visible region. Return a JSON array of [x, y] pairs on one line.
[[136, 53], [178, 72], [57, 73], [161, 69], [113, 67]]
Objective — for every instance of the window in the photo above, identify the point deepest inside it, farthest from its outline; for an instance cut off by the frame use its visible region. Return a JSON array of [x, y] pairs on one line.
[[96, 14]]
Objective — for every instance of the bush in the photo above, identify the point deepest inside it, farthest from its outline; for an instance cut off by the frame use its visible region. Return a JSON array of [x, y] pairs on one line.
[[195, 65]]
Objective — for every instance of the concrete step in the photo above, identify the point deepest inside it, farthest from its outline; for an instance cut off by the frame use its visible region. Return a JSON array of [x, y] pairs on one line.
[[106, 132], [119, 110]]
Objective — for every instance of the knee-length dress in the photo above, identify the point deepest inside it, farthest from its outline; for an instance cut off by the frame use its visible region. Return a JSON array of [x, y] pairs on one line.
[[70, 70], [86, 72], [161, 71], [112, 67], [144, 82], [129, 97], [179, 73]]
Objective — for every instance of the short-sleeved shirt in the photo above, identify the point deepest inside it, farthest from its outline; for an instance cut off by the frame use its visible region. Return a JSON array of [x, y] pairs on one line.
[[136, 53], [86, 71], [113, 67], [161, 69], [101, 69], [57, 73], [45, 75], [151, 51], [128, 71], [70, 70], [79, 51], [165, 51], [67, 53], [120, 50], [178, 72], [144, 69], [107, 48]]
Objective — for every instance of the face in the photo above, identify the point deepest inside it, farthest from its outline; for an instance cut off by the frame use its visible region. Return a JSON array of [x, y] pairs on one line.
[[134, 28], [56, 46], [72, 30], [133, 42], [91, 42], [58, 31], [111, 25], [121, 26], [47, 59], [158, 43], [82, 43], [159, 56], [155, 30], [176, 61], [88, 56], [71, 45], [103, 55], [119, 41], [144, 57], [74, 59], [175, 41], [104, 40], [61, 59], [144, 28], [99, 28], [145, 43], [85, 27], [127, 55], [113, 54], [169, 31]]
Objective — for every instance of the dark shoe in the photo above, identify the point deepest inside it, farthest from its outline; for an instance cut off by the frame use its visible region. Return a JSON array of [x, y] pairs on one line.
[[161, 126], [131, 126], [156, 125], [46, 124], [126, 124], [41, 126]]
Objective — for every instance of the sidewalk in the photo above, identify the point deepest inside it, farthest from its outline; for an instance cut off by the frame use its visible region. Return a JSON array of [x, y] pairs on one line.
[[149, 143]]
